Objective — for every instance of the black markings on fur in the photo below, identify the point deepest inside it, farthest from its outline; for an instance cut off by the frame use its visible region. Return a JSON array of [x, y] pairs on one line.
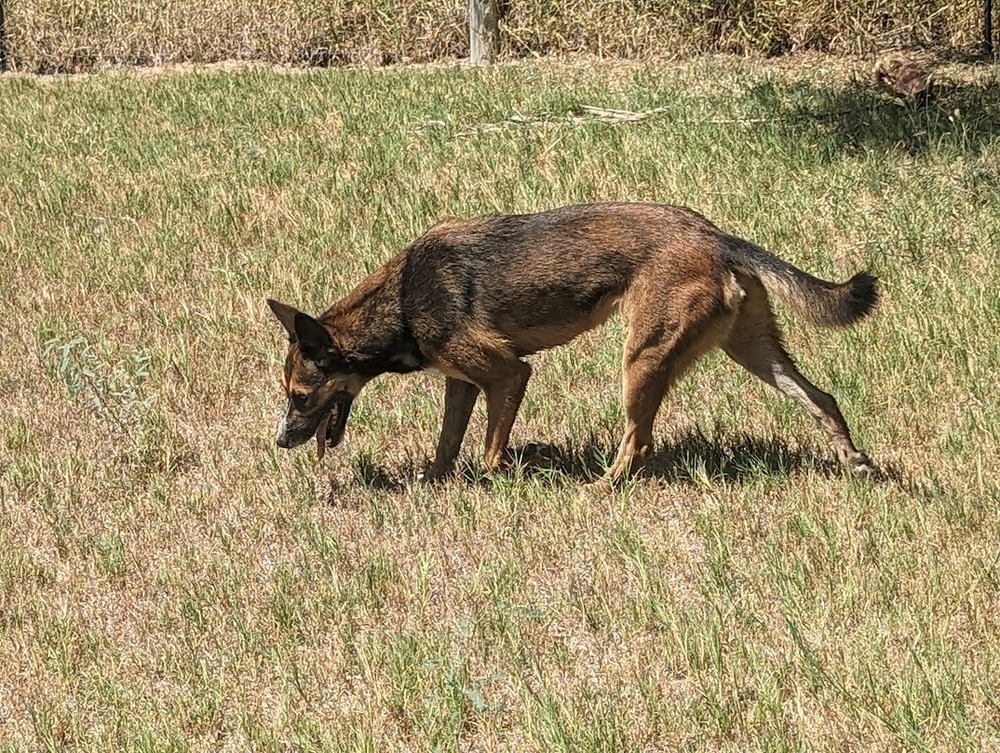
[[864, 295], [400, 356]]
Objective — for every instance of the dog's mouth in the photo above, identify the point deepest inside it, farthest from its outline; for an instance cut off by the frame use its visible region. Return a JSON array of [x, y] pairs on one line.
[[331, 429]]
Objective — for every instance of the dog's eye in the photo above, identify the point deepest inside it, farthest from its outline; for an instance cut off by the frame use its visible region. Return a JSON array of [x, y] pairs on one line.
[[298, 399]]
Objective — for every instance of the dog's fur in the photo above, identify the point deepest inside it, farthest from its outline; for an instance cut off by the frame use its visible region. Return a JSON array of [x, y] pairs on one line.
[[471, 298]]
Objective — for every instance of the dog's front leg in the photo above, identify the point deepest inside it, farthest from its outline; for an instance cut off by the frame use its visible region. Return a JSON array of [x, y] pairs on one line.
[[459, 400], [503, 399]]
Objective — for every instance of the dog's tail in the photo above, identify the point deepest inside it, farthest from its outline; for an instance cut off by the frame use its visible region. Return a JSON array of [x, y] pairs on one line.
[[825, 303]]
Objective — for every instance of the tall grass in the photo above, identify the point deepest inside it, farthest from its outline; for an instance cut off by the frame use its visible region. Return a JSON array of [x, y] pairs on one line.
[[79, 35], [170, 580]]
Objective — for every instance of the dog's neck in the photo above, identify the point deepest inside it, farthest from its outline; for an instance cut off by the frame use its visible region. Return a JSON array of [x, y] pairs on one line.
[[369, 327]]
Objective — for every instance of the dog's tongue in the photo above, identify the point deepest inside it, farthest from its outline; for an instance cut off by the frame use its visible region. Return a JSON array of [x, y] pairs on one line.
[[321, 435]]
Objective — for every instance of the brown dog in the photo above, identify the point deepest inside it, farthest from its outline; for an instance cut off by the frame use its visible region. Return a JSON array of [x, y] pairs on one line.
[[471, 298]]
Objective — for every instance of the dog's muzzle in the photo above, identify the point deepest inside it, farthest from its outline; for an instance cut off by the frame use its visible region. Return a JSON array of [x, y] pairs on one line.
[[327, 426], [281, 439]]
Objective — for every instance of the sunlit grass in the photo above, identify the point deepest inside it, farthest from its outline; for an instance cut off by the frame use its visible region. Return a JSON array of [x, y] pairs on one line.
[[169, 580]]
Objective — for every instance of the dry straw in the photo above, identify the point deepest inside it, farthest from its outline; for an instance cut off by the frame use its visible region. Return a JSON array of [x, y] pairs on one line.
[[80, 35]]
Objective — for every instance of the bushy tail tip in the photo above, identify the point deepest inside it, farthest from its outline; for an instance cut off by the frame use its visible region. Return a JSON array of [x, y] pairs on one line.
[[862, 296]]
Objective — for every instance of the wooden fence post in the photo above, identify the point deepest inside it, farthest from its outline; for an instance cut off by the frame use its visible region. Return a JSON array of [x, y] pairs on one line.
[[484, 31]]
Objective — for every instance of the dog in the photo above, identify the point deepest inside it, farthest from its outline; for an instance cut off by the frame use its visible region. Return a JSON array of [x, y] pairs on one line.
[[470, 298]]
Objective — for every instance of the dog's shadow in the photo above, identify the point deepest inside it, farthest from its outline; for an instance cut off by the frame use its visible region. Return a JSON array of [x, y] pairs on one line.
[[693, 459]]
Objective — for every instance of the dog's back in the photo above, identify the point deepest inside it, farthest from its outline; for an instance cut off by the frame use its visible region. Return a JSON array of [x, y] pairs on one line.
[[542, 279]]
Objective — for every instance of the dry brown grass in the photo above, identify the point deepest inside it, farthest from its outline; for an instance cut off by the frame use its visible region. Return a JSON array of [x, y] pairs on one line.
[[77, 35], [169, 580]]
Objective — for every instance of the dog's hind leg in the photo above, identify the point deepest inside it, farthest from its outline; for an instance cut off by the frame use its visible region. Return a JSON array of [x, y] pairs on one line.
[[755, 343], [667, 334], [459, 400]]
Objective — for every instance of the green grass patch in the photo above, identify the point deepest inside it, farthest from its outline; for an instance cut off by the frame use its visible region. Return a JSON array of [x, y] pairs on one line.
[[169, 580]]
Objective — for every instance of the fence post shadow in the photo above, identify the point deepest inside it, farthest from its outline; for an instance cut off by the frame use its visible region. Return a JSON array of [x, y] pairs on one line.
[[3, 37], [987, 29]]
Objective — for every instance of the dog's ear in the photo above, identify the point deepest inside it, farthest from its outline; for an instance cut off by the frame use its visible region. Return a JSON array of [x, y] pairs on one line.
[[286, 315], [313, 339]]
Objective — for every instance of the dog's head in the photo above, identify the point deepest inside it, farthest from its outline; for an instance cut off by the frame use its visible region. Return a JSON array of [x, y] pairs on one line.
[[318, 382]]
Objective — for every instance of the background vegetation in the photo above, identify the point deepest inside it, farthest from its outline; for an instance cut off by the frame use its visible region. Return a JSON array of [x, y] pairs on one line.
[[171, 581], [79, 35]]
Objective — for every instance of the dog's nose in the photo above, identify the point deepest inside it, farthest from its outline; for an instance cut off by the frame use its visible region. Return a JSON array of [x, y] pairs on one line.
[[281, 433]]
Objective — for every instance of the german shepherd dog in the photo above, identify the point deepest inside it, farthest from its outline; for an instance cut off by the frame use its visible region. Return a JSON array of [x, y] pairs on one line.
[[470, 298]]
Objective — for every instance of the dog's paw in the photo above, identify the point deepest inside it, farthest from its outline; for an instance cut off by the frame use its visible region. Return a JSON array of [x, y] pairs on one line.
[[538, 455], [862, 467], [434, 474], [603, 484]]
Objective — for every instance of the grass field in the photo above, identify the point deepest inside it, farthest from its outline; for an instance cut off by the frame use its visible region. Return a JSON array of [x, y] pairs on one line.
[[171, 581]]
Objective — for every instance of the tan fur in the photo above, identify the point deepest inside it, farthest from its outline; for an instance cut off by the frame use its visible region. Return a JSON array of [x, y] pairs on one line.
[[471, 298]]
